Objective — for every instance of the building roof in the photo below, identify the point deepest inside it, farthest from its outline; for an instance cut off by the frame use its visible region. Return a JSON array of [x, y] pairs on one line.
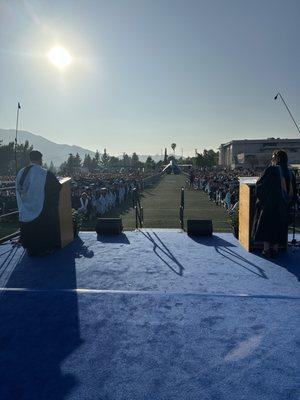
[[251, 141]]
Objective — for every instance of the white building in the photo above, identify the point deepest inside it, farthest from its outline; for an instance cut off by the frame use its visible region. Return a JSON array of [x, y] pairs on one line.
[[257, 153]]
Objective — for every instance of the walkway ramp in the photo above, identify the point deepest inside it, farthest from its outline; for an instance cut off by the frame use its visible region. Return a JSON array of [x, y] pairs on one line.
[[161, 206]]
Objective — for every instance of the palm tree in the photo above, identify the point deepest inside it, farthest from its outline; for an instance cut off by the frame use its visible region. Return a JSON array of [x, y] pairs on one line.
[[173, 146]]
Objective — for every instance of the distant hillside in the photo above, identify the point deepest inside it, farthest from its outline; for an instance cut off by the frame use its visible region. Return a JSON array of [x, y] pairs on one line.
[[57, 153]]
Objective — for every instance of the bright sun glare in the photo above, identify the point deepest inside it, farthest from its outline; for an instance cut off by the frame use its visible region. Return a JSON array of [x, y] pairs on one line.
[[59, 57]]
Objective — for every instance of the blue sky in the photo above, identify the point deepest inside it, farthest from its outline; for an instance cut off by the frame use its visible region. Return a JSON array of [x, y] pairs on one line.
[[147, 73]]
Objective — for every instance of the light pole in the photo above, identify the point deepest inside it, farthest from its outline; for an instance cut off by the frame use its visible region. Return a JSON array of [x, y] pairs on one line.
[[286, 106], [16, 138]]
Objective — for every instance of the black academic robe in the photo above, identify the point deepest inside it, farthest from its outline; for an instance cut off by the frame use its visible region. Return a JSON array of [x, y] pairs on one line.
[[42, 234], [272, 214]]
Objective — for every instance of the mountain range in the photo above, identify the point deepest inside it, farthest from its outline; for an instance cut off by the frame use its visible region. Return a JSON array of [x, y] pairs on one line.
[[55, 152]]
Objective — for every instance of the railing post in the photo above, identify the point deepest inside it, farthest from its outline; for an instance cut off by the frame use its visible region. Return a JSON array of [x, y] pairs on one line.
[[136, 218], [181, 217], [139, 212], [134, 197], [181, 209], [182, 197]]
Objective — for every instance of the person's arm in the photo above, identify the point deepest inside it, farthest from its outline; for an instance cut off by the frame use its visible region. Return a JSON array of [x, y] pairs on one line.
[[263, 184], [52, 189], [296, 199]]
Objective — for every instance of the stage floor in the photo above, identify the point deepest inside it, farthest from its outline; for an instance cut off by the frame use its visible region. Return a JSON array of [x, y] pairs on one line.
[[150, 314]]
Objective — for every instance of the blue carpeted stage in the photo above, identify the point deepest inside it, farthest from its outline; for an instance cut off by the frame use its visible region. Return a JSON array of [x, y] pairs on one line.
[[151, 314]]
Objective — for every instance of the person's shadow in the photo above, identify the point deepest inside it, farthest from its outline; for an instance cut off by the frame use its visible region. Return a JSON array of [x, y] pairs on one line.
[[226, 250], [289, 260], [39, 326]]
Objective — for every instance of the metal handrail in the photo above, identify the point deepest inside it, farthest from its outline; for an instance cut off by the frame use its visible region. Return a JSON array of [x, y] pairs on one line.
[[139, 217], [9, 214], [139, 211], [14, 212], [9, 237], [181, 208]]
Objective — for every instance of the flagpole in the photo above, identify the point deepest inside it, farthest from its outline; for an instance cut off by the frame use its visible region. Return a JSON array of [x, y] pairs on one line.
[[16, 138]]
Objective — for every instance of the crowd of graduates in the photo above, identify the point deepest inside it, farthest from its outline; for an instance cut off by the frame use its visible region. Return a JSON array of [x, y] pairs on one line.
[[96, 194], [221, 185], [92, 194], [8, 202]]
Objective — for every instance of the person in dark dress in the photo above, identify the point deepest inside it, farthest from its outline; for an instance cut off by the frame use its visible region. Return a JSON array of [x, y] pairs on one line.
[[276, 193], [38, 197]]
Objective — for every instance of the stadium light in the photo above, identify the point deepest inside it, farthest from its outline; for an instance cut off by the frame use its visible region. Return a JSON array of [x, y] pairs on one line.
[[286, 106]]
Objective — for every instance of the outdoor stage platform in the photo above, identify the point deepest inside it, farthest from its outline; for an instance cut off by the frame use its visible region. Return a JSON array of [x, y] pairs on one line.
[[149, 315]]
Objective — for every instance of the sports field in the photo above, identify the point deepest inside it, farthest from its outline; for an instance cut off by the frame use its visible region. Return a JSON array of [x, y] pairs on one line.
[[161, 206]]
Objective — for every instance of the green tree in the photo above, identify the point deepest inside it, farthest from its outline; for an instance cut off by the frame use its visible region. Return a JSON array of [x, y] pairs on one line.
[[52, 168], [114, 161], [150, 163], [77, 162], [135, 160], [62, 168], [105, 158], [7, 157], [70, 165], [87, 162], [126, 160], [96, 160], [210, 157], [199, 161]]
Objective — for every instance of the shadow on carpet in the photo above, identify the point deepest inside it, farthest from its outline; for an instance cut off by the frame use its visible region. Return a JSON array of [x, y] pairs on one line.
[[40, 329]]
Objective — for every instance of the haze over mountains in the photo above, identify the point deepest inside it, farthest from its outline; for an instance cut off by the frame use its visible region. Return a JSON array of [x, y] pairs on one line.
[[55, 152]]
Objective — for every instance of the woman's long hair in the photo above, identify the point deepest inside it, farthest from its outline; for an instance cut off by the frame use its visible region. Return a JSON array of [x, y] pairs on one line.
[[280, 157]]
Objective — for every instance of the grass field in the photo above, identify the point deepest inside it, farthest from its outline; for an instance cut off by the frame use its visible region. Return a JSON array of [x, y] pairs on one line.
[[161, 206]]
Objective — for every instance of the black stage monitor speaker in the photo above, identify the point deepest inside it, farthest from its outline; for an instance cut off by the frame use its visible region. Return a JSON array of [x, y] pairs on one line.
[[109, 226], [199, 227]]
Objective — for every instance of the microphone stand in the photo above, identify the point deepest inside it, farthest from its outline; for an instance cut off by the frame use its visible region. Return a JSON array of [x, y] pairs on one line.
[[294, 242]]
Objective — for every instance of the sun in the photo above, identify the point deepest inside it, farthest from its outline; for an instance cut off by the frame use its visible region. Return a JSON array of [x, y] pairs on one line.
[[59, 57]]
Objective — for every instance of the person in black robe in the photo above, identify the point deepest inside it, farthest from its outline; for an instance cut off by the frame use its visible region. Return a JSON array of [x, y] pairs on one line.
[[38, 197], [276, 194]]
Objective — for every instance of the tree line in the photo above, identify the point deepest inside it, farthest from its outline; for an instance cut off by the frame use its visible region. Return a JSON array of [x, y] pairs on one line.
[[99, 162], [74, 163]]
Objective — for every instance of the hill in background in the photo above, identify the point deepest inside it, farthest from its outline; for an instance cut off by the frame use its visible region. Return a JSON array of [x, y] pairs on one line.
[[55, 152]]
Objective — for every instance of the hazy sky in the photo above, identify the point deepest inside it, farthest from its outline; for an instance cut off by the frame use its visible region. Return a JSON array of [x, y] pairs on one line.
[[146, 73]]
